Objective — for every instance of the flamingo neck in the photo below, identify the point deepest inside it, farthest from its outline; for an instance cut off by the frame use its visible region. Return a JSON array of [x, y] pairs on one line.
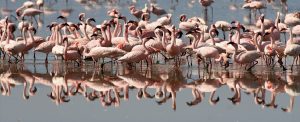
[[163, 40], [24, 36], [116, 29], [85, 33], [238, 36], [53, 35], [125, 34], [103, 34], [66, 47], [271, 39], [291, 40], [3, 34], [31, 36], [277, 20], [201, 39], [230, 38], [7, 38], [256, 43], [212, 38], [173, 39], [59, 36], [193, 38], [72, 32], [109, 34], [262, 27]]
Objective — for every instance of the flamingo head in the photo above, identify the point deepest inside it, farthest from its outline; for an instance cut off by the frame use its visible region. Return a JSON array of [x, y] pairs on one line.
[[81, 16], [262, 18], [182, 18], [145, 16], [31, 28], [18, 13], [131, 7], [74, 26], [133, 22], [273, 28], [233, 44], [65, 39], [51, 25], [90, 19], [179, 34], [61, 17]]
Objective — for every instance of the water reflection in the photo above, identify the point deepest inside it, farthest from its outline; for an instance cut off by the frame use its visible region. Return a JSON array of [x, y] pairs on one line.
[[160, 83]]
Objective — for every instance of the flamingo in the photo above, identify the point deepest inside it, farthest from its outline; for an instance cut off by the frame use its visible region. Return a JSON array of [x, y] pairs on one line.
[[247, 57], [186, 25], [173, 49], [275, 48], [102, 52], [58, 49], [32, 12], [296, 30], [17, 47], [292, 49], [292, 19], [137, 56], [45, 47], [157, 10], [205, 51], [70, 55]]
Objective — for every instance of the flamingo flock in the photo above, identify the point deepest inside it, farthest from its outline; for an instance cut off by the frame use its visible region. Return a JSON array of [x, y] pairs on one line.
[[150, 40]]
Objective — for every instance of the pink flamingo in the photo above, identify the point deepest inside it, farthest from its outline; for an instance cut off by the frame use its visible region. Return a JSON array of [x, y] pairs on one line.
[[58, 49], [205, 51], [173, 49], [32, 12], [275, 48], [71, 55], [247, 57], [14, 48], [102, 52], [291, 48], [186, 25], [137, 56], [157, 10]]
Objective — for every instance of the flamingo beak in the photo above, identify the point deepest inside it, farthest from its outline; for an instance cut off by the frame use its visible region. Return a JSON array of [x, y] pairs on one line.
[[60, 17]]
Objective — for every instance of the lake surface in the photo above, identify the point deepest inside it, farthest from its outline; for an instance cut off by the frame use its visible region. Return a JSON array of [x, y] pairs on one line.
[[159, 93]]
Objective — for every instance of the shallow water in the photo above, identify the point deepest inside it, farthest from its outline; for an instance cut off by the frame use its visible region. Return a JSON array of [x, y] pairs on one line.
[[246, 108], [253, 88]]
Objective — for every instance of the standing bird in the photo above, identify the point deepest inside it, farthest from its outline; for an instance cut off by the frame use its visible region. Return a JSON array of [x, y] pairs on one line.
[[292, 19], [292, 49], [137, 56], [173, 49], [30, 12], [205, 51], [247, 57], [71, 55]]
